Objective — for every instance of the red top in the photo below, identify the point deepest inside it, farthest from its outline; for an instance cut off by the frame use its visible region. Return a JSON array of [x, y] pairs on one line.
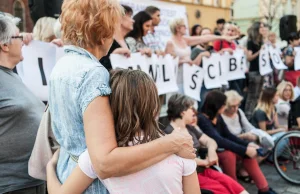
[[220, 44], [291, 76]]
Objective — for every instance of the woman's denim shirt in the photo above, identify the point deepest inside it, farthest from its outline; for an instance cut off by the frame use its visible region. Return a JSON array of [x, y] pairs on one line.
[[76, 80]]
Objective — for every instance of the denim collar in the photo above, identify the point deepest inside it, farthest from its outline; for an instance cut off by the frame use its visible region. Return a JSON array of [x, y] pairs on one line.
[[79, 51]]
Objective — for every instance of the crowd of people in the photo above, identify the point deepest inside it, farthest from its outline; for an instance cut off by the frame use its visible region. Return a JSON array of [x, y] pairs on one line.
[[106, 120]]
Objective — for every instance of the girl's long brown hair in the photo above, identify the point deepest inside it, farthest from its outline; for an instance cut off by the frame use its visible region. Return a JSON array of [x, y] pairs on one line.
[[135, 104]]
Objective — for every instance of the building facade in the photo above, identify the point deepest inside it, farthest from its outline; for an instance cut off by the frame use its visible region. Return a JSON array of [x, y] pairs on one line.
[[269, 11], [205, 12], [18, 8]]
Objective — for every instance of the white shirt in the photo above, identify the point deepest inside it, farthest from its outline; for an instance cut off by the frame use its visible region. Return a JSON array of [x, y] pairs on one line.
[[164, 177]]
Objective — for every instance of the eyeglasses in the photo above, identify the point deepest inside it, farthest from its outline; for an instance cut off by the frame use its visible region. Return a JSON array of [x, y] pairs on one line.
[[16, 37]]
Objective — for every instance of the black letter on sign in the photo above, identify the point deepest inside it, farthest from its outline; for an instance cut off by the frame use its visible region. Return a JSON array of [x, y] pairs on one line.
[[276, 59], [152, 73], [194, 75], [139, 67], [220, 68], [40, 60], [211, 77], [242, 63], [232, 64], [164, 74], [264, 60]]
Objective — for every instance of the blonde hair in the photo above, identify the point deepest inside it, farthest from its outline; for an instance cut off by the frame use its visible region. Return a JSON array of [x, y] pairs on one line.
[[281, 87], [175, 23], [57, 29], [43, 29], [232, 95], [86, 23]]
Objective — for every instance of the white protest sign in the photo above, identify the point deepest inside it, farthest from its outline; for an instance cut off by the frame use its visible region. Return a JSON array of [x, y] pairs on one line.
[[166, 82], [121, 61], [276, 59], [193, 79], [60, 52], [211, 72], [36, 67], [264, 62], [297, 58], [223, 67], [235, 68]]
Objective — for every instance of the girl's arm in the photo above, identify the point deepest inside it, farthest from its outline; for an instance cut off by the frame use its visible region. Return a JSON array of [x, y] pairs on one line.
[[190, 184], [110, 160], [76, 183]]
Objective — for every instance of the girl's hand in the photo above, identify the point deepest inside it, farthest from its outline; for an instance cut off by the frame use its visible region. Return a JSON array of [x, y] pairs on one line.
[[54, 159]]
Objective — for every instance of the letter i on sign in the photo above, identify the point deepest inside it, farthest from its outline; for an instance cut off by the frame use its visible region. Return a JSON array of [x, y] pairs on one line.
[[44, 80]]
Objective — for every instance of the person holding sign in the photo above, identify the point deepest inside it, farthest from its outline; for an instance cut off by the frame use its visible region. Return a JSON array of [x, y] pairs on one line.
[[180, 113], [255, 83], [229, 46], [135, 124], [179, 45], [79, 102], [119, 45], [213, 125], [141, 27]]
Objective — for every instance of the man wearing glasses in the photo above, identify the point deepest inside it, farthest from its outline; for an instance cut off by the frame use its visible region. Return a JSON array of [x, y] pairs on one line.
[[20, 115]]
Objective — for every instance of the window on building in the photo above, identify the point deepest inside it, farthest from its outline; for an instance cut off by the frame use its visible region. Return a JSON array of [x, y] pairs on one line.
[[217, 3], [19, 11]]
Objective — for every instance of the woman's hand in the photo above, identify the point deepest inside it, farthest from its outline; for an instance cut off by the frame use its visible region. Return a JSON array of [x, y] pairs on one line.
[[122, 51], [146, 51], [205, 54], [183, 142], [212, 157], [58, 42], [27, 37], [251, 152], [54, 159]]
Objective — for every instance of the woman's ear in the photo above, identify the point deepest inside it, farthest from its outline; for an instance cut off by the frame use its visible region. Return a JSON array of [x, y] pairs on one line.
[[4, 47]]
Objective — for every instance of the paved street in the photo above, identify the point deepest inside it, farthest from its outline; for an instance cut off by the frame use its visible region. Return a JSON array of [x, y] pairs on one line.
[[275, 181]]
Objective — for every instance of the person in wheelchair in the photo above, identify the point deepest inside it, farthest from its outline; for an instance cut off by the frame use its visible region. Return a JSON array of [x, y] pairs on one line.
[[181, 115]]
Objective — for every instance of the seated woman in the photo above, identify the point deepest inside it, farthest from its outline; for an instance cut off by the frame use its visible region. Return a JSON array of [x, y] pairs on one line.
[[214, 126], [265, 117], [239, 125], [135, 123], [180, 113], [283, 106], [141, 27]]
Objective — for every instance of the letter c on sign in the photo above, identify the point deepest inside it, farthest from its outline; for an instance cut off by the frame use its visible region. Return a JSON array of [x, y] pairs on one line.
[[208, 71]]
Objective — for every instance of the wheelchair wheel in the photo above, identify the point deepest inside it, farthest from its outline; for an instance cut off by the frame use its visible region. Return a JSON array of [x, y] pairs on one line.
[[290, 171]]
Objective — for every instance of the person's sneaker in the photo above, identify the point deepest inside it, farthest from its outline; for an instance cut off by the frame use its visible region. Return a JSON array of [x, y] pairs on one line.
[[266, 143], [271, 191]]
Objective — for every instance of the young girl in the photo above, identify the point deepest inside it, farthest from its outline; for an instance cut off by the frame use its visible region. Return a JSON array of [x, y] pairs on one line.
[[135, 104]]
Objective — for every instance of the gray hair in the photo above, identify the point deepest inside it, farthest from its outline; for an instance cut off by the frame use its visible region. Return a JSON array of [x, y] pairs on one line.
[[8, 28]]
